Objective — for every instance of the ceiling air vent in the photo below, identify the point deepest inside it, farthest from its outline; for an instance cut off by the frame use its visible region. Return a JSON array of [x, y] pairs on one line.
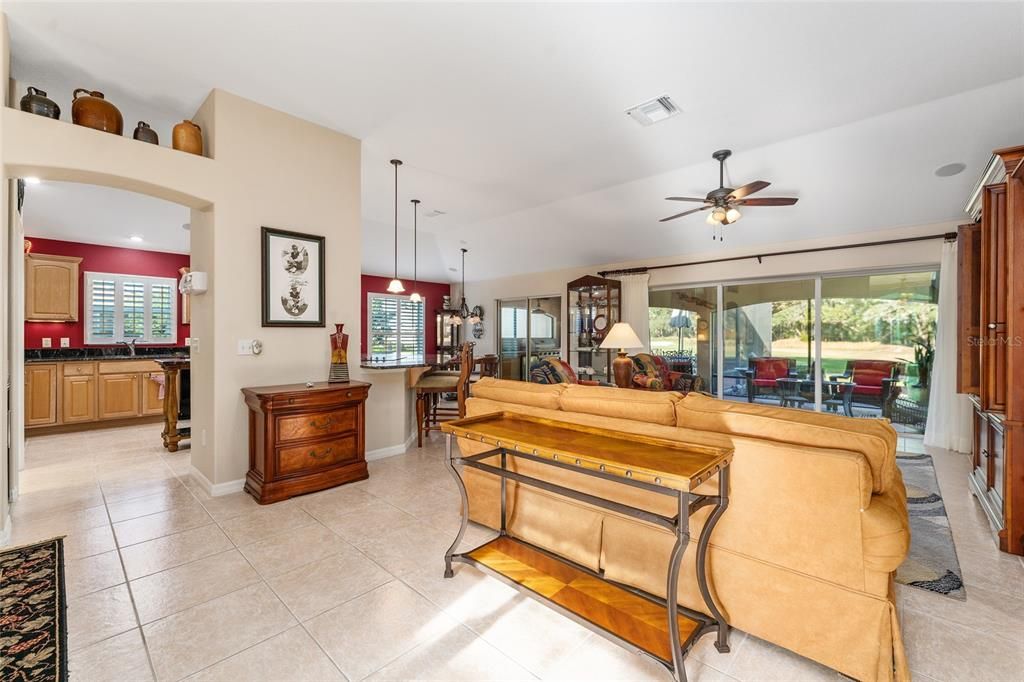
[[435, 213], [652, 111]]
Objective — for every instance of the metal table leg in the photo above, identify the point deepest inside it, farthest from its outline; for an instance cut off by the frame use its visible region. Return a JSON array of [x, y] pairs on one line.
[[722, 640], [450, 463], [672, 589]]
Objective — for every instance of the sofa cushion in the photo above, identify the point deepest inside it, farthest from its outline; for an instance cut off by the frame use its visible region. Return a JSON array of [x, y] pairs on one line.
[[874, 438], [518, 392], [644, 406]]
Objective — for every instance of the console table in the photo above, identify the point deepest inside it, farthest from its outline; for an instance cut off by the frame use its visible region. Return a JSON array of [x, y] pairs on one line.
[[304, 438], [622, 613]]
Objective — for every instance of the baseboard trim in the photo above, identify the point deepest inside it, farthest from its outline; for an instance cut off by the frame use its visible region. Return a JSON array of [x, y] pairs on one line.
[[391, 451], [215, 489]]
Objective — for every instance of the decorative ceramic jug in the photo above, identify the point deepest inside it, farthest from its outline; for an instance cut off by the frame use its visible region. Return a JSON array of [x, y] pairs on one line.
[[93, 111], [144, 133], [188, 137], [36, 102], [339, 356]]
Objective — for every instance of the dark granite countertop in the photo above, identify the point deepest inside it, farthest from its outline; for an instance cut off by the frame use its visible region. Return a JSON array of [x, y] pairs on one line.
[[104, 353]]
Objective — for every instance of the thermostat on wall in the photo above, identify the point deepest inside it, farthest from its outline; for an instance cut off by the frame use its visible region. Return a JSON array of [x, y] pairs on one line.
[[193, 283]]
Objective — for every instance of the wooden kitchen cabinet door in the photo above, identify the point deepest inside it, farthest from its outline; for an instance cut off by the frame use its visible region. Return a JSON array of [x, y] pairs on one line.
[[152, 403], [40, 395], [119, 396], [51, 288], [78, 399]]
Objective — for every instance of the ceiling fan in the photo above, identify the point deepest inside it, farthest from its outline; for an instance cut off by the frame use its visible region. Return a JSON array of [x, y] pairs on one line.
[[724, 201]]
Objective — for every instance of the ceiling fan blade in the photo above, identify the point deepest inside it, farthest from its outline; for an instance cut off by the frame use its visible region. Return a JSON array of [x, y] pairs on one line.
[[680, 215], [748, 189], [683, 199], [768, 201]]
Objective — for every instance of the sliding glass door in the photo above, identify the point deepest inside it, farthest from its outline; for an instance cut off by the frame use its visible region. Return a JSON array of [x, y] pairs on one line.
[[873, 359], [528, 330], [683, 330]]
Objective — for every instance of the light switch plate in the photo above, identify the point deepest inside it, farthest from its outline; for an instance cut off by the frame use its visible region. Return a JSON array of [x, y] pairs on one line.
[[194, 345], [245, 346], [188, 340], [65, 342], [47, 342]]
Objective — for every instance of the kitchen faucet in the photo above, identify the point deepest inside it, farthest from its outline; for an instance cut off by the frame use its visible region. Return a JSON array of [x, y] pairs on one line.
[[131, 346]]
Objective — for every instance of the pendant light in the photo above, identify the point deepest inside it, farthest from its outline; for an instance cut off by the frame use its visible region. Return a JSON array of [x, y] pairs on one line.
[[395, 285], [415, 295], [464, 312]]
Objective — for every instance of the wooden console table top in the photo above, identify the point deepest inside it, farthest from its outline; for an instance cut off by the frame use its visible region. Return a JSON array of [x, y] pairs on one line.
[[658, 461]]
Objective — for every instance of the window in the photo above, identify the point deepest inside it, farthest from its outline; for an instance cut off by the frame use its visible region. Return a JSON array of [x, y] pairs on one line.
[[396, 326], [124, 307]]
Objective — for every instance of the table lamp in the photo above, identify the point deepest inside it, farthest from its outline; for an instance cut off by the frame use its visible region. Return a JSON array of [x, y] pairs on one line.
[[622, 337]]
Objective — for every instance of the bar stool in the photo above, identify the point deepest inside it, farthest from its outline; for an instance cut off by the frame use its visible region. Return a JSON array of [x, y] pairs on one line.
[[432, 386]]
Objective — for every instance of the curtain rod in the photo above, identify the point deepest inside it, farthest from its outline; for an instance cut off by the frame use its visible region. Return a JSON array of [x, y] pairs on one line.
[[947, 236]]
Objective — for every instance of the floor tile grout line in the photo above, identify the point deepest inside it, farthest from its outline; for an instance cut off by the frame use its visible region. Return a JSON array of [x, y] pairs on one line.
[[131, 594]]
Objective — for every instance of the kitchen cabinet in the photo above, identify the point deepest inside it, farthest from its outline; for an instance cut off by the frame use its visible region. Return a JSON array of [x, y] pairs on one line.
[[51, 288], [40, 395], [152, 402], [78, 392], [119, 396]]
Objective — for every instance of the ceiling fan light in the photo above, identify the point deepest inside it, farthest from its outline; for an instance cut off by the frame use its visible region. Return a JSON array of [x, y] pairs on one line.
[[733, 214], [395, 286], [718, 215], [710, 220]]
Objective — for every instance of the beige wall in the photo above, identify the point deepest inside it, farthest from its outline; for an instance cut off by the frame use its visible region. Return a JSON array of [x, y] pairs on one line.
[[486, 292], [278, 171], [5, 246]]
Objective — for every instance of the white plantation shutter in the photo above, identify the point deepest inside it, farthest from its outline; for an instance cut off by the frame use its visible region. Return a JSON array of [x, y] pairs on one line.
[[124, 307], [396, 325]]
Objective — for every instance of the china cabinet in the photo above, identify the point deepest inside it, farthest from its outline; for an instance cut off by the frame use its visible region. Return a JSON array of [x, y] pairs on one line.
[[593, 306]]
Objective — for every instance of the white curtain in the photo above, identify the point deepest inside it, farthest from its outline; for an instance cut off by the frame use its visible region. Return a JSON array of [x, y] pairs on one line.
[[949, 413], [634, 307]]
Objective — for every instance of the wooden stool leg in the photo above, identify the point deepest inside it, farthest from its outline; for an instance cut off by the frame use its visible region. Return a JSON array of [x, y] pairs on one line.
[[420, 416]]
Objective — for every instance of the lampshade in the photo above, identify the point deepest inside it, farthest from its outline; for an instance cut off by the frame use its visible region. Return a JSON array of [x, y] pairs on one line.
[[415, 297], [395, 286], [732, 215], [621, 335]]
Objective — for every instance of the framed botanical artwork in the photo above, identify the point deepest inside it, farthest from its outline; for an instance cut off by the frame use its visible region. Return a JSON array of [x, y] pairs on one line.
[[293, 280]]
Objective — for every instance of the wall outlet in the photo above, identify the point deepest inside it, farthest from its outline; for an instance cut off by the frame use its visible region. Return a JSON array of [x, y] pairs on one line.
[[245, 347], [202, 437], [47, 342], [65, 342]]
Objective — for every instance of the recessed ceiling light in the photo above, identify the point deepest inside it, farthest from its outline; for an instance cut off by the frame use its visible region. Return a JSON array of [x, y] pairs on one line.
[[32, 181], [135, 238], [186, 226], [453, 269], [652, 111], [950, 169]]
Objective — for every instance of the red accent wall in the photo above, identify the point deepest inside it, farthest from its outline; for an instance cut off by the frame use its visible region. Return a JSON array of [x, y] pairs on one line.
[[431, 291], [100, 259]]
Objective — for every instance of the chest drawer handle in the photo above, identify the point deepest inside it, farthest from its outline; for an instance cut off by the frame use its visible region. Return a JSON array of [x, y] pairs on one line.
[[323, 424], [320, 455]]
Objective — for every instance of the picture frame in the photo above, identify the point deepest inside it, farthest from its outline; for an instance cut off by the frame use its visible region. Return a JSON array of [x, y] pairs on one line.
[[293, 278]]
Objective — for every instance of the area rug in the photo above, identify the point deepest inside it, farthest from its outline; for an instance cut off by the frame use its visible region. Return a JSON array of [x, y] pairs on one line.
[[33, 607], [931, 564]]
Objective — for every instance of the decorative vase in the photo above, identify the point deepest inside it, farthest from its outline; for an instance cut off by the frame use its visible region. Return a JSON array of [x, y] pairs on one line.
[[339, 356], [93, 111], [143, 133], [36, 102], [188, 137]]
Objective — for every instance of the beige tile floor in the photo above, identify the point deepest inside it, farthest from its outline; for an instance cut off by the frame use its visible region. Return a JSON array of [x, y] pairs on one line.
[[167, 583]]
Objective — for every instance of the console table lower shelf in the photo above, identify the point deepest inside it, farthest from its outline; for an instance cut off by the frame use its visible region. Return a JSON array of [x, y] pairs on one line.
[[657, 627]]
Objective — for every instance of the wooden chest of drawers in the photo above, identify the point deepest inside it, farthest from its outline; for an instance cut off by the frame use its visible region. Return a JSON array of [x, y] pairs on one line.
[[304, 438]]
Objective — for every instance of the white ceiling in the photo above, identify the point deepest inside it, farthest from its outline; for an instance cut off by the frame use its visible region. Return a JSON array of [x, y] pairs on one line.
[[100, 215], [509, 117]]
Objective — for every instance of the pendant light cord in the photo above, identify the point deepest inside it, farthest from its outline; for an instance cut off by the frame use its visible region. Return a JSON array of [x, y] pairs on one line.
[[396, 163]]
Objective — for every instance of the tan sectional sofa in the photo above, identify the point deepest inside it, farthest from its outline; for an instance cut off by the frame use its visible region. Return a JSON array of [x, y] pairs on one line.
[[804, 557]]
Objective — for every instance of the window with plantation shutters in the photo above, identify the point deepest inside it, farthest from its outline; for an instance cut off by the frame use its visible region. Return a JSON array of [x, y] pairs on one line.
[[125, 307], [395, 326]]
